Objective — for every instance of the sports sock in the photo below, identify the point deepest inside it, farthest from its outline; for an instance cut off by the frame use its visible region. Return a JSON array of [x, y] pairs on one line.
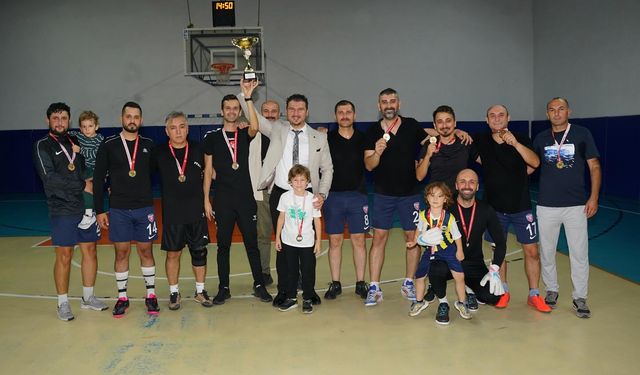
[[62, 298], [407, 280], [149, 275], [534, 292], [122, 278], [174, 289], [199, 287], [375, 283], [443, 300], [87, 291]]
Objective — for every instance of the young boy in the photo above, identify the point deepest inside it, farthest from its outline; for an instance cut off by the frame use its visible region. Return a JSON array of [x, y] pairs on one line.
[[296, 239], [438, 232], [89, 141]]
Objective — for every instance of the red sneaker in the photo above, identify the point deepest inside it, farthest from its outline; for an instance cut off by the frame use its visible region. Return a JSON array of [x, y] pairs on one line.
[[539, 304], [504, 301]]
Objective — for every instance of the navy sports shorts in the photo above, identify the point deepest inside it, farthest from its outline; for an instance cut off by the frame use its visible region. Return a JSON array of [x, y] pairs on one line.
[[524, 225], [407, 208], [351, 207], [65, 231], [132, 225]]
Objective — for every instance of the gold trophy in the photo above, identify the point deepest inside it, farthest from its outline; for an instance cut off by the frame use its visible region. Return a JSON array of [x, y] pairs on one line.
[[245, 45]]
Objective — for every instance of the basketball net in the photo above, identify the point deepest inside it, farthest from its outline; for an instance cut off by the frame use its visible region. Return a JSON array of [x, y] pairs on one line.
[[222, 72]]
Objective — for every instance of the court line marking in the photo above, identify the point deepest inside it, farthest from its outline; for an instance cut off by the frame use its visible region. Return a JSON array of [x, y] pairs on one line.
[[243, 296]]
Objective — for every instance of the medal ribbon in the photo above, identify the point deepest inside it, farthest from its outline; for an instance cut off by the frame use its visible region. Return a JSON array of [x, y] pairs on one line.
[[439, 144], [390, 128], [304, 200], [232, 150], [66, 153], [132, 161], [183, 168], [464, 225], [564, 137]]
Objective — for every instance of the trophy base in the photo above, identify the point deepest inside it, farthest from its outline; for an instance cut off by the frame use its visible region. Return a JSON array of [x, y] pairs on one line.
[[250, 76]]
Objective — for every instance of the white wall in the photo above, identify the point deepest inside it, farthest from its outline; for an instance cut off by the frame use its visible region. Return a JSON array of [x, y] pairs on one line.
[[99, 54], [589, 52]]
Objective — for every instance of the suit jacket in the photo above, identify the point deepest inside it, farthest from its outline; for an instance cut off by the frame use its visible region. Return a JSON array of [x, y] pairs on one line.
[[320, 163]]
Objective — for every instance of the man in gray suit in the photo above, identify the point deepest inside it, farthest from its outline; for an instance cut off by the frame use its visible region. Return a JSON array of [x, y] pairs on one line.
[[293, 142]]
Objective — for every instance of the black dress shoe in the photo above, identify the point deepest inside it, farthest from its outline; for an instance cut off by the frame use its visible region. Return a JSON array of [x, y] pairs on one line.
[[279, 299], [335, 289]]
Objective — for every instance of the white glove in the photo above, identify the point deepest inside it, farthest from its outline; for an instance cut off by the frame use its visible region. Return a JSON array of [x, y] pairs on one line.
[[432, 237], [493, 277]]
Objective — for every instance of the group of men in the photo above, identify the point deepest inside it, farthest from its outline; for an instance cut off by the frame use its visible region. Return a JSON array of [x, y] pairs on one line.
[[249, 165]]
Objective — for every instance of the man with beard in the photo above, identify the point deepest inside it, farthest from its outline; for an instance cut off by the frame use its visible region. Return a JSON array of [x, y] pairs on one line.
[[126, 159], [227, 151], [507, 159], [390, 150], [473, 217], [270, 110], [348, 199], [293, 142], [564, 152], [61, 171], [445, 155]]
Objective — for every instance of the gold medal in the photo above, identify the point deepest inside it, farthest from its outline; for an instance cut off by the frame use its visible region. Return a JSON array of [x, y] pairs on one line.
[[132, 173], [182, 178], [386, 137], [235, 166], [71, 167], [560, 164]]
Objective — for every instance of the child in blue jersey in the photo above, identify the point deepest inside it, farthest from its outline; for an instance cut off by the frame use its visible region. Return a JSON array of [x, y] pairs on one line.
[[89, 140], [438, 233]]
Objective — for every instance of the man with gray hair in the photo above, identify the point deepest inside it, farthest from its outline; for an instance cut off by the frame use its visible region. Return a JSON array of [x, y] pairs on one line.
[[180, 163]]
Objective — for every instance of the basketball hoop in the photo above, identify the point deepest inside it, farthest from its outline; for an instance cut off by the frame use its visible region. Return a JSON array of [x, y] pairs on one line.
[[222, 72]]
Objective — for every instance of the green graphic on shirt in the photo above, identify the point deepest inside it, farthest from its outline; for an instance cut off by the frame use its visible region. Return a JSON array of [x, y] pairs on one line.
[[296, 213]]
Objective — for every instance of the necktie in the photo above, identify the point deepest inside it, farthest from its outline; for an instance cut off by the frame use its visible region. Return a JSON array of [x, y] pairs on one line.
[[296, 146]]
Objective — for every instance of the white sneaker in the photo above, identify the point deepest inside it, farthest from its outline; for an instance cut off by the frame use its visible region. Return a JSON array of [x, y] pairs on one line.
[[92, 303]]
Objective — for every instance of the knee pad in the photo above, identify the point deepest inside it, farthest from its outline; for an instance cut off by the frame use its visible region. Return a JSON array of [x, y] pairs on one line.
[[199, 257]]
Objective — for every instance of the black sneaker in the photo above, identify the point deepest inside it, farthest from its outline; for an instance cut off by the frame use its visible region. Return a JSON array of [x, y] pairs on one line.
[[121, 307], [279, 299], [174, 301], [361, 289], [335, 289], [315, 299], [261, 293], [288, 304], [442, 316], [152, 304], [431, 295], [472, 302], [307, 306], [223, 294], [268, 280]]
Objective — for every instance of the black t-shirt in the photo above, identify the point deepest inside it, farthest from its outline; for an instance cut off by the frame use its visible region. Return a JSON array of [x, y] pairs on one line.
[[485, 219], [127, 192], [229, 180], [395, 175], [447, 162], [182, 202], [505, 173], [348, 161]]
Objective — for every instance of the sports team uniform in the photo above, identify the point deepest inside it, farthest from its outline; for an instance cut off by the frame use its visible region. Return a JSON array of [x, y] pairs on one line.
[[347, 201], [395, 175], [445, 250], [233, 200], [183, 219], [473, 265], [130, 200], [63, 187], [506, 185]]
